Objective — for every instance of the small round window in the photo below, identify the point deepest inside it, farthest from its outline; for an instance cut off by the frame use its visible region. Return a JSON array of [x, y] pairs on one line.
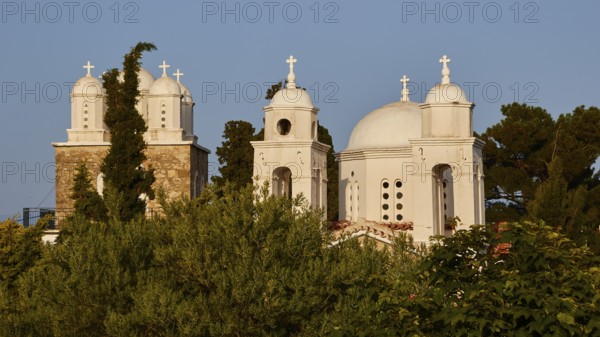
[[284, 126]]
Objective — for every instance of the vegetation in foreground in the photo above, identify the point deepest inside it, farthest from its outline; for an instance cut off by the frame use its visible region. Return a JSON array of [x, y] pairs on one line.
[[238, 263]]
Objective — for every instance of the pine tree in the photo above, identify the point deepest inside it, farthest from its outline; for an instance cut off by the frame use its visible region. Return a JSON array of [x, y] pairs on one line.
[[122, 167], [88, 202]]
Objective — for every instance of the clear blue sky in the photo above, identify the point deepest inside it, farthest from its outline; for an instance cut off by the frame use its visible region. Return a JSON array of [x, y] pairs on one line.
[[539, 52]]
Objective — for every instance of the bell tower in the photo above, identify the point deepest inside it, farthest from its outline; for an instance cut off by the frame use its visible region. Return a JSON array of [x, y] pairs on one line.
[[290, 158]]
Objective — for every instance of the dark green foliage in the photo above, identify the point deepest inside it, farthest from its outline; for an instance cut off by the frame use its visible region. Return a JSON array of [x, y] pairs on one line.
[[332, 175], [525, 280], [87, 202], [518, 155], [226, 264], [515, 155], [122, 167], [20, 249], [274, 89], [554, 204], [236, 155]]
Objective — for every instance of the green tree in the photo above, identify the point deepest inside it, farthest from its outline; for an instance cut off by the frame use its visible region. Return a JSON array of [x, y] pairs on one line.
[[526, 279], [519, 148], [332, 175], [122, 166], [88, 202], [236, 154], [231, 262], [515, 156], [20, 249], [554, 204]]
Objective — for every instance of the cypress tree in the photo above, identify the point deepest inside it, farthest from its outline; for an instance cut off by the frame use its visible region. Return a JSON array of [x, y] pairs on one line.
[[236, 154], [88, 202], [122, 167]]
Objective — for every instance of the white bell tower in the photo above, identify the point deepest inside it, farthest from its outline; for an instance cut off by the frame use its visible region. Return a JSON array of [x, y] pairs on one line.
[[290, 158], [450, 162], [87, 110]]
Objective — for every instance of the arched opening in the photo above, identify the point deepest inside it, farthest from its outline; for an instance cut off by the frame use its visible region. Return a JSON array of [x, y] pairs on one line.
[[443, 200], [355, 200], [348, 200], [282, 182], [318, 188]]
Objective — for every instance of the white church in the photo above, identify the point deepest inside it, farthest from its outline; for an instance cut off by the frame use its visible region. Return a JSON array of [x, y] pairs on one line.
[[410, 166]]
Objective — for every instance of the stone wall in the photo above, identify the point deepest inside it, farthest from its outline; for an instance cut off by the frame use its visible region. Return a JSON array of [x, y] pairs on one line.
[[180, 170]]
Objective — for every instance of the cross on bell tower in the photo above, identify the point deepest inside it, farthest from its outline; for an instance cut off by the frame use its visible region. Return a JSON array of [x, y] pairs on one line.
[[178, 74], [89, 68], [405, 97], [291, 76], [164, 67], [445, 70]]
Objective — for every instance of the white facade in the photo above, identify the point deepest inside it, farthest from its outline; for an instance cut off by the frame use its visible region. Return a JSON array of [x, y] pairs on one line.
[[290, 158], [415, 163]]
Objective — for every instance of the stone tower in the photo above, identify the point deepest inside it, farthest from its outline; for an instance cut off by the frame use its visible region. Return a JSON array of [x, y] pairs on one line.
[[180, 164]]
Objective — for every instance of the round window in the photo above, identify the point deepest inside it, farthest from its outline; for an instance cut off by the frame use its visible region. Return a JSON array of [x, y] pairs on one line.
[[386, 196], [386, 184], [398, 184], [284, 126], [386, 207], [399, 217], [385, 217]]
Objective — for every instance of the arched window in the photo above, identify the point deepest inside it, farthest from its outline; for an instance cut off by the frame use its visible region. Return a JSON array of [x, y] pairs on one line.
[[282, 182]]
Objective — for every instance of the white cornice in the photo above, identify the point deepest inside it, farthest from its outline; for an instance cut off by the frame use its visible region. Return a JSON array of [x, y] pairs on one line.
[[290, 144]]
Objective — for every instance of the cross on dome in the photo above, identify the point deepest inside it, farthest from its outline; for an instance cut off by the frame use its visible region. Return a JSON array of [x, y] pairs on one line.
[[291, 76], [164, 67], [89, 68], [445, 70], [178, 74], [404, 80]]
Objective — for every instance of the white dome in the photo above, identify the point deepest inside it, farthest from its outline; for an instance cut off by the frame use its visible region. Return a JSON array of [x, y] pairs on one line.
[[446, 93], [89, 86], [391, 125], [187, 94], [165, 86], [292, 97], [145, 78]]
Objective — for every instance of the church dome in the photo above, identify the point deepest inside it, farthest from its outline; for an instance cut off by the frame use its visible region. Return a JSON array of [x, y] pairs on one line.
[[165, 86], [446, 93], [187, 95], [88, 85], [292, 97], [145, 78], [391, 125]]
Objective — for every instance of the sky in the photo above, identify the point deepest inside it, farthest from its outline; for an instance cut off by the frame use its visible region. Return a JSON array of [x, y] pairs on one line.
[[351, 56]]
